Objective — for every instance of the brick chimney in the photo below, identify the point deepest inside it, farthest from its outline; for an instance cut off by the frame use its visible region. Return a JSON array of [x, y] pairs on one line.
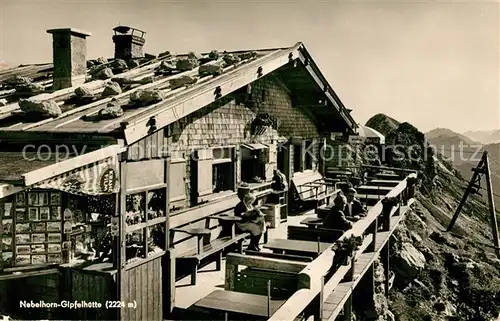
[[69, 56], [128, 42]]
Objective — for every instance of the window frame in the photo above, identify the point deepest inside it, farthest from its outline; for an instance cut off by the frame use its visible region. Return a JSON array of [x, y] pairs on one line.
[[144, 226]]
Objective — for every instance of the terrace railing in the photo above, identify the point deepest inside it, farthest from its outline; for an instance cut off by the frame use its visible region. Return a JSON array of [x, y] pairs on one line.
[[306, 301]]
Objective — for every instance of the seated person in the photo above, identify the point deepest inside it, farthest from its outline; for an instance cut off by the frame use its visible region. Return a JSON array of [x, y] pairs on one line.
[[354, 210], [252, 220], [335, 219], [279, 181]]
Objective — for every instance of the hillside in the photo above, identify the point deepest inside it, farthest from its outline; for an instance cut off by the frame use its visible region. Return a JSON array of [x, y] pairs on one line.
[[442, 275], [484, 136], [465, 154]]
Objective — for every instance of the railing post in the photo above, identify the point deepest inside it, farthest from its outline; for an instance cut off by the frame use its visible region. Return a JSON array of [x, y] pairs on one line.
[[348, 278], [387, 205], [410, 186], [374, 229], [385, 257]]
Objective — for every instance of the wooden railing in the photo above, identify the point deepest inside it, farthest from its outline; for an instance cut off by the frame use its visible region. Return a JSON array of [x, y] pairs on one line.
[[306, 299]]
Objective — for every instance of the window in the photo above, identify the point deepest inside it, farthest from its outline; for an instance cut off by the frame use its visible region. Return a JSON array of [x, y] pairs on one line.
[[222, 177], [145, 221], [308, 157], [297, 158], [254, 160], [213, 172]]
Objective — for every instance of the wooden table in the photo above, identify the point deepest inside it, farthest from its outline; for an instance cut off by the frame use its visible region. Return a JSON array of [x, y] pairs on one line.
[[200, 233], [228, 218], [236, 302], [312, 222], [295, 246]]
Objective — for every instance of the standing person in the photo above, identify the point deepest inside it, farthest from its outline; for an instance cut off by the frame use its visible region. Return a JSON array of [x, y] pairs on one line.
[[354, 208], [252, 220], [335, 219]]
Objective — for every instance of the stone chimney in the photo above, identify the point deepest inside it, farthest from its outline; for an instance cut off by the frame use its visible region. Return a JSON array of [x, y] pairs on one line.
[[128, 42], [69, 56]]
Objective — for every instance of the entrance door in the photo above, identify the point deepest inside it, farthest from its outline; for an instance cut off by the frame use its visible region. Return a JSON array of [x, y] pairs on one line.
[[283, 165], [281, 155]]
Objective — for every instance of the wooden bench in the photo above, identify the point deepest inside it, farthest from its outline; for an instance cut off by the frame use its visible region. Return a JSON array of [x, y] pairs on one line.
[[206, 247], [303, 233], [204, 250]]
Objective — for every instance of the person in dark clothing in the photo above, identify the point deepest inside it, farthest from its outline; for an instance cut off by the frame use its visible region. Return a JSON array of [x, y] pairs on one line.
[[279, 181], [252, 220], [335, 219], [354, 209]]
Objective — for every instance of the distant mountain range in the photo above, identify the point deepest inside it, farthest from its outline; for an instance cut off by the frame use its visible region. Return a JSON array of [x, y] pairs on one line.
[[484, 136], [448, 143]]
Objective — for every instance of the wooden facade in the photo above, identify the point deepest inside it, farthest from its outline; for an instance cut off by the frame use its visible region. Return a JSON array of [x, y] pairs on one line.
[[192, 151]]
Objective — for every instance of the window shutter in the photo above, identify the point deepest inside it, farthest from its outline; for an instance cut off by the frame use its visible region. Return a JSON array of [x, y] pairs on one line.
[[176, 180], [204, 166]]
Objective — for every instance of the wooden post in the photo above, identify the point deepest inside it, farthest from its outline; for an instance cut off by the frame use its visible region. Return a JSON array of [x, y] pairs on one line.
[[145, 231], [321, 298], [168, 264], [466, 194], [385, 257], [230, 276], [491, 203], [386, 214], [269, 298], [371, 247], [121, 282]]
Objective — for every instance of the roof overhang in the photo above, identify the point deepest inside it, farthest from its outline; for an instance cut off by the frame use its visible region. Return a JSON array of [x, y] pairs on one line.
[[65, 166], [166, 113], [330, 94], [199, 97]]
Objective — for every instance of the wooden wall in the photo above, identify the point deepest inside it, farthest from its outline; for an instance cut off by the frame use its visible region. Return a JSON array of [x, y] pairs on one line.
[[98, 287], [144, 288], [36, 288]]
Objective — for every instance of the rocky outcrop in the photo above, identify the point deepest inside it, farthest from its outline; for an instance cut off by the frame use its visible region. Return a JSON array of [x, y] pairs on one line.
[[383, 124], [406, 147], [408, 262]]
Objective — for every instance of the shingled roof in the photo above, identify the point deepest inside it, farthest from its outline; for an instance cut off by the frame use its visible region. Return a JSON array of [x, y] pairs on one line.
[[196, 91]]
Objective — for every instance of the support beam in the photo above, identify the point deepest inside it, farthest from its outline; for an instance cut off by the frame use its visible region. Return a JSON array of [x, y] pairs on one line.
[[491, 203], [469, 189], [121, 256]]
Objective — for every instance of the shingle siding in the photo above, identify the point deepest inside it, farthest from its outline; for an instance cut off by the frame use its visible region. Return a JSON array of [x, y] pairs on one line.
[[227, 121]]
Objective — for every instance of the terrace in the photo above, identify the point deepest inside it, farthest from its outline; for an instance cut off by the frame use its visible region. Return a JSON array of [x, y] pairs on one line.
[[292, 278]]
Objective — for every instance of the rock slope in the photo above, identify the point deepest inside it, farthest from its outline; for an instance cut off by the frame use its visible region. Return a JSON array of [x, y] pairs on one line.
[[441, 275]]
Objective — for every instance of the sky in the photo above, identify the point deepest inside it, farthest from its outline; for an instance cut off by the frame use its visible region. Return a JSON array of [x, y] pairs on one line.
[[431, 63]]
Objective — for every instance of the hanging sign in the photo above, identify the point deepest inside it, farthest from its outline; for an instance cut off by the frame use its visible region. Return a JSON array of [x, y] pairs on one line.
[[108, 180]]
